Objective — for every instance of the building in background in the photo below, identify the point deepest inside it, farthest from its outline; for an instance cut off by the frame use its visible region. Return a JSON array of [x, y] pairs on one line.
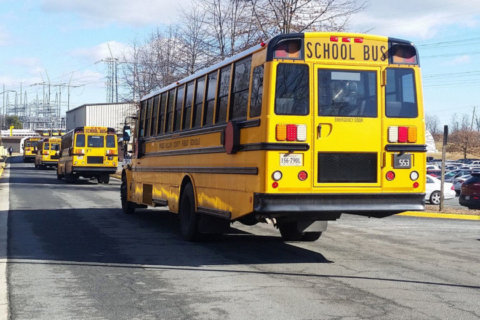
[[111, 115]]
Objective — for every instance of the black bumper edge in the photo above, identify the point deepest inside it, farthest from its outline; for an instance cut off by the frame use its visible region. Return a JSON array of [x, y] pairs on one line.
[[372, 205], [108, 170]]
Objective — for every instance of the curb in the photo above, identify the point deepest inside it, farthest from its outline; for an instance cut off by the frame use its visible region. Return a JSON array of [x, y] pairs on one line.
[[440, 215]]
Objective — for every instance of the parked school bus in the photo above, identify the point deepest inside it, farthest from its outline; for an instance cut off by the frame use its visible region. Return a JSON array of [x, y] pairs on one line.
[[90, 152], [48, 152], [295, 132], [29, 146]]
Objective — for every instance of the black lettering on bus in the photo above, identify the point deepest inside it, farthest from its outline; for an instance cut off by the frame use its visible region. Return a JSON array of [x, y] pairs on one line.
[[383, 50], [366, 53], [326, 51], [335, 51], [318, 47], [343, 51], [309, 50], [350, 56], [375, 53]]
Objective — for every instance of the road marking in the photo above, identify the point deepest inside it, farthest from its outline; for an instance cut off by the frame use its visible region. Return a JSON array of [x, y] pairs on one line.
[[440, 215], [4, 206]]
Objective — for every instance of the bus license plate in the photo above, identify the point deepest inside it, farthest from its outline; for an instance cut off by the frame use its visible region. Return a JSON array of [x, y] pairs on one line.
[[402, 161], [291, 159]]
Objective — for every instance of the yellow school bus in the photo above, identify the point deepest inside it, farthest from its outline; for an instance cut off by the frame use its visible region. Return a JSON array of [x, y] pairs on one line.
[[29, 150], [292, 132], [90, 152], [48, 152]]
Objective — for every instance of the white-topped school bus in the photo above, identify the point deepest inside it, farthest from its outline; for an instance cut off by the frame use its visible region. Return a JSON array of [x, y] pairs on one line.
[[90, 152], [295, 131], [48, 152]]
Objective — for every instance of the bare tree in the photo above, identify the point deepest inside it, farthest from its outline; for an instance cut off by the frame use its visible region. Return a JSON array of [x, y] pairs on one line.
[[229, 25], [463, 138], [432, 124], [195, 50], [287, 16], [152, 64]]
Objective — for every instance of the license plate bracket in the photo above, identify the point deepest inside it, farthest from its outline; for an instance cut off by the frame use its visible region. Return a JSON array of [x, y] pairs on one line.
[[402, 161]]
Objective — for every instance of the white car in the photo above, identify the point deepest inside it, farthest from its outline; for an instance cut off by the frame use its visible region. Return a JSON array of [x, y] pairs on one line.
[[432, 192]]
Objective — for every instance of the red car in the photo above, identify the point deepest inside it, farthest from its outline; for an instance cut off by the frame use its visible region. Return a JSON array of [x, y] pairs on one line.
[[470, 193]]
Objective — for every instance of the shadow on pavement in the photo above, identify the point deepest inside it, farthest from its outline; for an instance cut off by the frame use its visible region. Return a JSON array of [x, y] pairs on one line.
[[100, 235]]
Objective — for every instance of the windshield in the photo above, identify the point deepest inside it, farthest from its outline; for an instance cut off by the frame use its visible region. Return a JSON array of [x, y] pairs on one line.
[[55, 146], [80, 141], [347, 93], [110, 141], [96, 141]]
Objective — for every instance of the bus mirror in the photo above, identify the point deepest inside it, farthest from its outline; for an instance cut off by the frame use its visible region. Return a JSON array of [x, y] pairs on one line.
[[126, 133]]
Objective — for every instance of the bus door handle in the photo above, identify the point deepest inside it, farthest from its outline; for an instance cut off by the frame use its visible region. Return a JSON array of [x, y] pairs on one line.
[[319, 131]]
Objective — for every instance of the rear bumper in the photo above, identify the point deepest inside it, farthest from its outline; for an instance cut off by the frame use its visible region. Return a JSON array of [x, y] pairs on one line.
[[49, 163], [471, 202], [94, 170], [375, 205]]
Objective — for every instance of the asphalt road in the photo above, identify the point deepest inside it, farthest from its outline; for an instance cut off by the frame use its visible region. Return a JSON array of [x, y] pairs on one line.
[[72, 254]]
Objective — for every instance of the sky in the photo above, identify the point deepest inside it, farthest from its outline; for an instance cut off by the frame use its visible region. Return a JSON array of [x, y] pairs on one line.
[[63, 42]]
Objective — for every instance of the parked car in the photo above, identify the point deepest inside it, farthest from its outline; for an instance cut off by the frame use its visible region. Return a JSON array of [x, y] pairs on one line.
[[457, 183], [433, 189], [470, 192], [435, 173], [451, 175]]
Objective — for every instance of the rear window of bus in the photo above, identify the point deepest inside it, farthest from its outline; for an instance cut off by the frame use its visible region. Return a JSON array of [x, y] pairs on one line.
[[347, 93], [400, 95], [292, 89]]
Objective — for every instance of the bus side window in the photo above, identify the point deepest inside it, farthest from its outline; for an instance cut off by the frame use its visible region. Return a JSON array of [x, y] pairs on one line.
[[241, 82], [170, 106], [257, 92], [197, 109], [222, 99], [178, 108], [153, 126], [187, 112], [148, 117], [143, 111], [161, 113], [210, 99]]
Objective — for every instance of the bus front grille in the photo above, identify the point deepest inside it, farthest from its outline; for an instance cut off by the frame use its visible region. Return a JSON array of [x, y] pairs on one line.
[[347, 167], [95, 160]]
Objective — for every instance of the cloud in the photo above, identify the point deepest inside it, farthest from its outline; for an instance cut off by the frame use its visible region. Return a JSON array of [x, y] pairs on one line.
[[412, 18], [103, 51], [4, 37], [459, 60], [140, 12]]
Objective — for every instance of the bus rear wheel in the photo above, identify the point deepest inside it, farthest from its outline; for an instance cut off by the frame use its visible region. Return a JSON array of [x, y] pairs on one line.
[[290, 232], [188, 216], [105, 178]]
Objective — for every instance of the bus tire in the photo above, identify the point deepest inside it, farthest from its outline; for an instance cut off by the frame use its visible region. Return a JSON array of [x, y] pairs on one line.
[[104, 178], [127, 206], [188, 216], [289, 232]]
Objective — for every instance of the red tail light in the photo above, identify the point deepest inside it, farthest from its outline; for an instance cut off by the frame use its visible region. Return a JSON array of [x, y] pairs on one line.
[[291, 132], [402, 134]]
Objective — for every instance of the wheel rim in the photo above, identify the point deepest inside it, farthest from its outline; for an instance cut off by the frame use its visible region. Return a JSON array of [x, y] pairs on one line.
[[435, 198]]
